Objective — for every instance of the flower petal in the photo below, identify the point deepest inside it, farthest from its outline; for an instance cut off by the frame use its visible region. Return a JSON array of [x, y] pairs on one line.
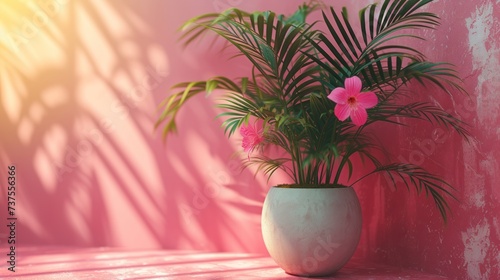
[[244, 131], [367, 99], [252, 137], [247, 147], [338, 95], [342, 111], [353, 85], [359, 116]]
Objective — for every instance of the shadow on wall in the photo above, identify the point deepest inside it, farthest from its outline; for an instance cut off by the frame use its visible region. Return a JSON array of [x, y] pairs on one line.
[[79, 88]]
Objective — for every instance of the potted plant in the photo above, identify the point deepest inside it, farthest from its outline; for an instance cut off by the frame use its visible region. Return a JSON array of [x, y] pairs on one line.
[[312, 91]]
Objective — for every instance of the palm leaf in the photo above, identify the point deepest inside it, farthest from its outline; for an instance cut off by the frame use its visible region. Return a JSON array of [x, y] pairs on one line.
[[419, 178], [432, 114], [422, 181], [295, 67]]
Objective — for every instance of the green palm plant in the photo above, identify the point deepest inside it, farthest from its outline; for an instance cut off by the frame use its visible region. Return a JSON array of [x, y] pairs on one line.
[[295, 68]]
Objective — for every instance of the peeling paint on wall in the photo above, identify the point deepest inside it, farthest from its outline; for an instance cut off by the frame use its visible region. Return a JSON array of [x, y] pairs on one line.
[[483, 34], [477, 244], [474, 181], [490, 167], [485, 59]]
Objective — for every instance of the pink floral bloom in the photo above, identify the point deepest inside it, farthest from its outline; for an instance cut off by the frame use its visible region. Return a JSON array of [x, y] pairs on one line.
[[252, 137], [351, 102]]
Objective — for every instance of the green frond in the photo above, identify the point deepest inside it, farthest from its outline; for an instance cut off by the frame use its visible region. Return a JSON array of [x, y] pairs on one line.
[[172, 104], [432, 114], [269, 165], [422, 180], [294, 67]]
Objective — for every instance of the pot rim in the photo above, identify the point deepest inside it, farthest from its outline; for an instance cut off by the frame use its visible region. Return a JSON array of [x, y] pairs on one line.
[[310, 186]]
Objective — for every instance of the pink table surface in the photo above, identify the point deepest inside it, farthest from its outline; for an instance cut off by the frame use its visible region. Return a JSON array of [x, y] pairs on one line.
[[114, 263]]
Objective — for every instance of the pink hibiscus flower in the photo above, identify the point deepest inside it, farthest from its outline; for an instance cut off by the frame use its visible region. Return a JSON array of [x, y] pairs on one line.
[[252, 137], [351, 102]]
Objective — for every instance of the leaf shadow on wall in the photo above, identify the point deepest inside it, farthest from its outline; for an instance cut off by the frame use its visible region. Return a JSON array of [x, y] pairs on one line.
[[78, 107]]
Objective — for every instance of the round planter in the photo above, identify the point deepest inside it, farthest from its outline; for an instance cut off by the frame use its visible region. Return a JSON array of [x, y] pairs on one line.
[[311, 231]]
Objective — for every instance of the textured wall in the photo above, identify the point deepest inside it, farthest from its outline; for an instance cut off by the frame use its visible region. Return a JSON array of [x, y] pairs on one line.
[[408, 231], [79, 85]]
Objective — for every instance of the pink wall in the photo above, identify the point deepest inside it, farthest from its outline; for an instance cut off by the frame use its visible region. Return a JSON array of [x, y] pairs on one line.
[[469, 246], [79, 87]]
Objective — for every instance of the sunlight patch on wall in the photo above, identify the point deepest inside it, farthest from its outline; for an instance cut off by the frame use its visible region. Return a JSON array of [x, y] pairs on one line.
[[46, 53], [144, 175], [25, 130], [10, 101], [52, 144], [159, 60], [108, 16], [198, 151], [28, 28], [181, 169], [30, 45], [124, 204], [45, 170], [98, 44], [54, 96], [28, 123], [120, 19], [47, 159], [101, 104], [75, 210]]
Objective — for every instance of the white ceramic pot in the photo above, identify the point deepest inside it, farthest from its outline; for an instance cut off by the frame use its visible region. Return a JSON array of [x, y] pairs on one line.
[[311, 231]]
